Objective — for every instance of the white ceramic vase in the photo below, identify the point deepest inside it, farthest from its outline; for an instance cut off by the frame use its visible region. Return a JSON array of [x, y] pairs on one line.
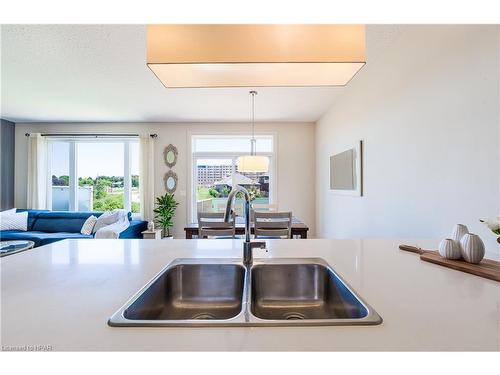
[[151, 226], [449, 249], [472, 248], [458, 232]]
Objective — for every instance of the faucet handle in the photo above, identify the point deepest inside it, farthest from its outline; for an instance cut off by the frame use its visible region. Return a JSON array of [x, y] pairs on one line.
[[263, 246], [259, 244]]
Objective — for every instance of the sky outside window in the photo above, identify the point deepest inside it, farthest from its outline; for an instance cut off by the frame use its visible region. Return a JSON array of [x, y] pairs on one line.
[[60, 158], [94, 158]]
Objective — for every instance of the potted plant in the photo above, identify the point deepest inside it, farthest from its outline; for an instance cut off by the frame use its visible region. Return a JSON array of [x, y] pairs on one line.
[[493, 225], [165, 212]]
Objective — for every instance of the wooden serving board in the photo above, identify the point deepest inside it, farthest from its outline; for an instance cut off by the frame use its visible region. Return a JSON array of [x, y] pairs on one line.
[[411, 249], [487, 268]]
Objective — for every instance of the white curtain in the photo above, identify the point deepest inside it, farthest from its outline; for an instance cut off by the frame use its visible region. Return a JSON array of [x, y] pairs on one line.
[[38, 184], [147, 176]]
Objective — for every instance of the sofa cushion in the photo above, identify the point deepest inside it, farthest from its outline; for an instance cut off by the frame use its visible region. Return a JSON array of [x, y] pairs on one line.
[[32, 216], [39, 238], [58, 221], [135, 229], [62, 221]]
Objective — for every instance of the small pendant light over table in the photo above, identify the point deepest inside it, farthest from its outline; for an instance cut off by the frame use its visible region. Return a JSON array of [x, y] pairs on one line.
[[253, 162]]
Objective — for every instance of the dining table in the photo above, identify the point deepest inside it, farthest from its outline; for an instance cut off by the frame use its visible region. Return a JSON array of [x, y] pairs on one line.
[[299, 228]]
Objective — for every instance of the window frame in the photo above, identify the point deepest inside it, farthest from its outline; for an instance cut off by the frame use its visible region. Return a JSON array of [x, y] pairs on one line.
[[73, 170], [191, 208]]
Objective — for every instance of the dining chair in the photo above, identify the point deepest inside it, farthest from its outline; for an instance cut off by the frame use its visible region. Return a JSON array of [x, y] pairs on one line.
[[211, 224], [272, 224]]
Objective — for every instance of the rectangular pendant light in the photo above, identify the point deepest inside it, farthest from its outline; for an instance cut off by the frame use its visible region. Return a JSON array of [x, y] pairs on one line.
[[255, 55]]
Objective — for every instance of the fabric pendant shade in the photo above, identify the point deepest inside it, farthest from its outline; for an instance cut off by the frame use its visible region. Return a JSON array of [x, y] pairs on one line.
[[255, 55], [253, 163]]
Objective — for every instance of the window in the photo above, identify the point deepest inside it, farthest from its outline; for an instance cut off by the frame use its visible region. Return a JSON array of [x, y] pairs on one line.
[[214, 171], [94, 175]]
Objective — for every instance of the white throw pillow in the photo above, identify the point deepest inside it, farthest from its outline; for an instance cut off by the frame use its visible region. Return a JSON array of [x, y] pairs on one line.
[[89, 224], [108, 217], [14, 221]]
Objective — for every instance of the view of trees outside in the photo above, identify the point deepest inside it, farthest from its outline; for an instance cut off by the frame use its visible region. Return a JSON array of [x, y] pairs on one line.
[[222, 191], [107, 191], [100, 168]]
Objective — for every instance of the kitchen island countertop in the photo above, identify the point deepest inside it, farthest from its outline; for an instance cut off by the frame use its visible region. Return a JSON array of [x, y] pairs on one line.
[[60, 296]]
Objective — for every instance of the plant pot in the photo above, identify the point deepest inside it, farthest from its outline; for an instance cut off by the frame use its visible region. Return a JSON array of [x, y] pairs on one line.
[[168, 238]]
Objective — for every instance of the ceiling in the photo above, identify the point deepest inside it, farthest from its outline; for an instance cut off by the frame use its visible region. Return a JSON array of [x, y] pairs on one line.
[[98, 73]]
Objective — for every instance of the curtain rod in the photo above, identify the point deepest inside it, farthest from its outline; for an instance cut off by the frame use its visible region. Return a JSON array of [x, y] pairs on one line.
[[91, 135]]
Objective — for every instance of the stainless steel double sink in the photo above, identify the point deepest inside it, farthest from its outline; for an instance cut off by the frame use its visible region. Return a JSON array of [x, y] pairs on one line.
[[222, 292]]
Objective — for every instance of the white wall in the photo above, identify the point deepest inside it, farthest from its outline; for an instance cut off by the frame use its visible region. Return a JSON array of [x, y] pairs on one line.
[[295, 164], [426, 106]]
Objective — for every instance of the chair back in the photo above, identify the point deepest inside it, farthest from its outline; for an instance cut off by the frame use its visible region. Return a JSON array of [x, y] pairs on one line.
[[212, 224], [261, 207], [237, 208], [272, 224]]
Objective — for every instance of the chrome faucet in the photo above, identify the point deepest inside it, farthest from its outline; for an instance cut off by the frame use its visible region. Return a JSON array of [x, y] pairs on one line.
[[247, 245]]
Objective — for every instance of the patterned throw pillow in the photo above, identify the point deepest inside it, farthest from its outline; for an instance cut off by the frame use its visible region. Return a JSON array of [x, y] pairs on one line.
[[89, 224], [14, 221]]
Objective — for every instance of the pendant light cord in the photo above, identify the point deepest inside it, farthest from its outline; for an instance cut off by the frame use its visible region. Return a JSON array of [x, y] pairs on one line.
[[253, 150]]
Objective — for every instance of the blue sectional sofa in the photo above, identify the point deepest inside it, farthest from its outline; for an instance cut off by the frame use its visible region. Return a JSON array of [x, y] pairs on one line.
[[45, 227]]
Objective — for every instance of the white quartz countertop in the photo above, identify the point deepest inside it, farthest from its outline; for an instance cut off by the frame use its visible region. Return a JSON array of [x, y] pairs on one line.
[[62, 295]]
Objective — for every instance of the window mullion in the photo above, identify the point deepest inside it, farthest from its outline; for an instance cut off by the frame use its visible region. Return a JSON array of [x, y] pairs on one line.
[[49, 175], [73, 177], [127, 178]]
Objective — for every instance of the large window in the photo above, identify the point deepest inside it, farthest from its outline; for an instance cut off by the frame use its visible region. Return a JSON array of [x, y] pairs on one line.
[[94, 175], [215, 171]]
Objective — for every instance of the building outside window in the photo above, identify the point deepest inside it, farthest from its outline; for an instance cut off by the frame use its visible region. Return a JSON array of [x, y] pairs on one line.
[[215, 171]]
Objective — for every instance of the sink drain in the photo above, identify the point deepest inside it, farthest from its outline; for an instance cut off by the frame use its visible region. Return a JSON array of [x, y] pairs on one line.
[[294, 316], [203, 316]]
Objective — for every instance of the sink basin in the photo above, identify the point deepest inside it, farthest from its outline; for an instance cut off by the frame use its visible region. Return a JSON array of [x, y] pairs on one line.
[[302, 292], [185, 292], [272, 292]]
